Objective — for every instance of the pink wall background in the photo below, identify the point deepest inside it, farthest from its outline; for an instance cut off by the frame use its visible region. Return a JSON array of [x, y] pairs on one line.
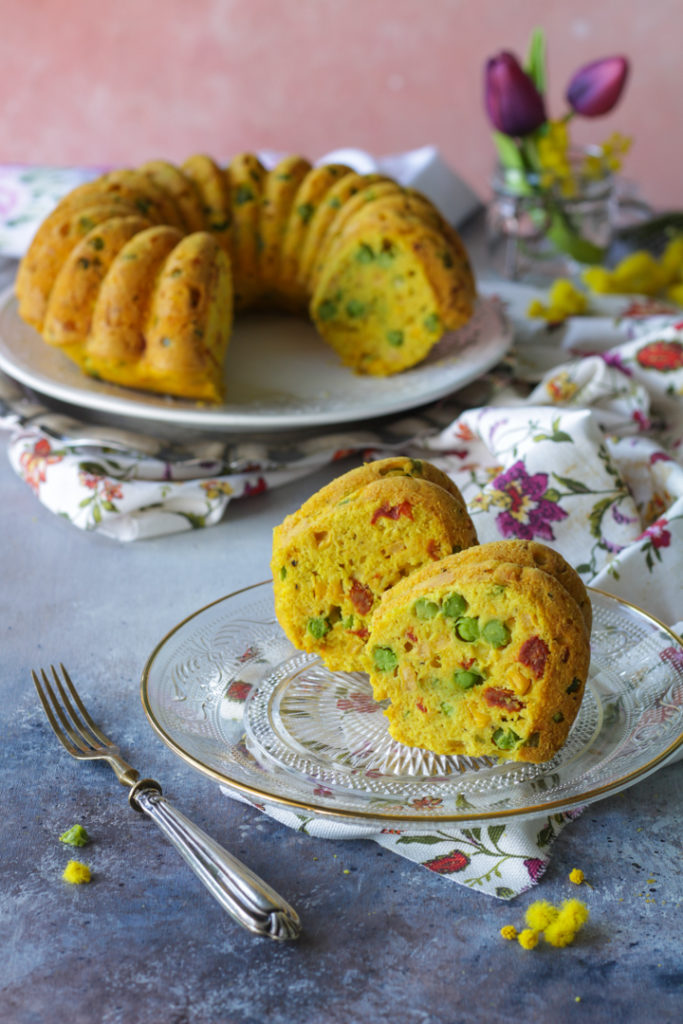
[[92, 83]]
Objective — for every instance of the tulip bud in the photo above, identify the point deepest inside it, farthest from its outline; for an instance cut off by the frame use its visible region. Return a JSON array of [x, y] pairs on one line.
[[595, 88], [513, 103]]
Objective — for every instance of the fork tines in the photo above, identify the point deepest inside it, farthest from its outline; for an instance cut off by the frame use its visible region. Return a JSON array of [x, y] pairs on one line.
[[67, 715]]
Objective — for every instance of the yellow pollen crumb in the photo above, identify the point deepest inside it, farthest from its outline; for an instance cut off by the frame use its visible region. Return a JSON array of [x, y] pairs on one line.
[[528, 939], [540, 914], [571, 918], [508, 931], [76, 873], [346, 871], [576, 876]]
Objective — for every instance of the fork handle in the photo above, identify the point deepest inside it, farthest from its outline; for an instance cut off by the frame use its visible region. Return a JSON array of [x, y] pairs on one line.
[[245, 896]]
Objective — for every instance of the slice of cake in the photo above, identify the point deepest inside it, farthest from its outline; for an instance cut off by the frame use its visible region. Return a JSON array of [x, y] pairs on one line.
[[331, 567], [480, 658]]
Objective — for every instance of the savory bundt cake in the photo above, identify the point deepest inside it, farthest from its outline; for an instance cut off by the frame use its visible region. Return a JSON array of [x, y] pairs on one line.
[[332, 563], [483, 655], [380, 272]]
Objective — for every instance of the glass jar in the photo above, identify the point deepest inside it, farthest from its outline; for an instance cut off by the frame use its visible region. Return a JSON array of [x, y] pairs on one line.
[[538, 226]]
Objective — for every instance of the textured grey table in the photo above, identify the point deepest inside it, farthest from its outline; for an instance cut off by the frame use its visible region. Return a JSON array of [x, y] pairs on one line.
[[384, 940]]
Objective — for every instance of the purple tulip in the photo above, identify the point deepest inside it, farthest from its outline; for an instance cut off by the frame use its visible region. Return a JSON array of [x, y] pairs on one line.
[[514, 104], [595, 88]]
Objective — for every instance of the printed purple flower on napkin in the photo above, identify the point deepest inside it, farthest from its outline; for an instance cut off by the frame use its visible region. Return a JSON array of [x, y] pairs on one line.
[[527, 511]]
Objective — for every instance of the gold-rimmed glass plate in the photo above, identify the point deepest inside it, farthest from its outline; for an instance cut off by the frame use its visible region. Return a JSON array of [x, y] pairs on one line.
[[230, 695]]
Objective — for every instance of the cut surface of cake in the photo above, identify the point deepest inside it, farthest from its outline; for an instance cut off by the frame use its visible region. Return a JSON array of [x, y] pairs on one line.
[[331, 566], [481, 657]]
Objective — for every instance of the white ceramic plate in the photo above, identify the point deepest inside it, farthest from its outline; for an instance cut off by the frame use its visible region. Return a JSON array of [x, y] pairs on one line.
[[229, 694], [279, 374]]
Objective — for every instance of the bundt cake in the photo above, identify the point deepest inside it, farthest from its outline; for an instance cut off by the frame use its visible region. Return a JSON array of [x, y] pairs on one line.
[[482, 654], [135, 275], [333, 560]]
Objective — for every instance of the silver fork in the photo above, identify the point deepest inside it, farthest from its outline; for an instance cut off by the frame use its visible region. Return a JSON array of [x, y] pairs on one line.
[[246, 897]]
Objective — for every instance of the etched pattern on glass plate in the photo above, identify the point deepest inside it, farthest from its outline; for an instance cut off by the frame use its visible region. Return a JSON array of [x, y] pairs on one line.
[[228, 692]]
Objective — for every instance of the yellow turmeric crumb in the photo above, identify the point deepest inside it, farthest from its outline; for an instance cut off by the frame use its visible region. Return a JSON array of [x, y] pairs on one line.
[[528, 939], [540, 914], [563, 930], [508, 931], [576, 876], [76, 873]]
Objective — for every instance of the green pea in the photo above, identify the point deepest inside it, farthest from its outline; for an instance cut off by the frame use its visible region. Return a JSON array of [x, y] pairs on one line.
[[395, 338], [364, 254], [432, 322], [283, 572], [318, 627], [305, 211], [505, 739], [347, 623], [496, 633], [467, 629], [385, 659], [425, 609], [327, 310], [454, 606], [446, 709], [465, 679], [558, 717], [355, 308], [243, 194]]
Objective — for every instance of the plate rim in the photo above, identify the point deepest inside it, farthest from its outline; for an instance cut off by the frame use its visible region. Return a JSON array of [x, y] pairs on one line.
[[131, 404], [258, 795]]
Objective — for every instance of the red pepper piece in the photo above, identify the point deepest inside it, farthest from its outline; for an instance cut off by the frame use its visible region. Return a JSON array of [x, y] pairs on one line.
[[393, 511], [361, 597], [499, 698], [534, 653], [433, 550]]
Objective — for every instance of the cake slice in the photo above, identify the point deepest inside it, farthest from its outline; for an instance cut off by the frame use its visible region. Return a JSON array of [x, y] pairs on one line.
[[480, 658], [331, 567]]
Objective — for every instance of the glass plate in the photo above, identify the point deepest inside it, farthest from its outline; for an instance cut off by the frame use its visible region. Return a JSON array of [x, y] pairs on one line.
[[227, 692], [278, 375]]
